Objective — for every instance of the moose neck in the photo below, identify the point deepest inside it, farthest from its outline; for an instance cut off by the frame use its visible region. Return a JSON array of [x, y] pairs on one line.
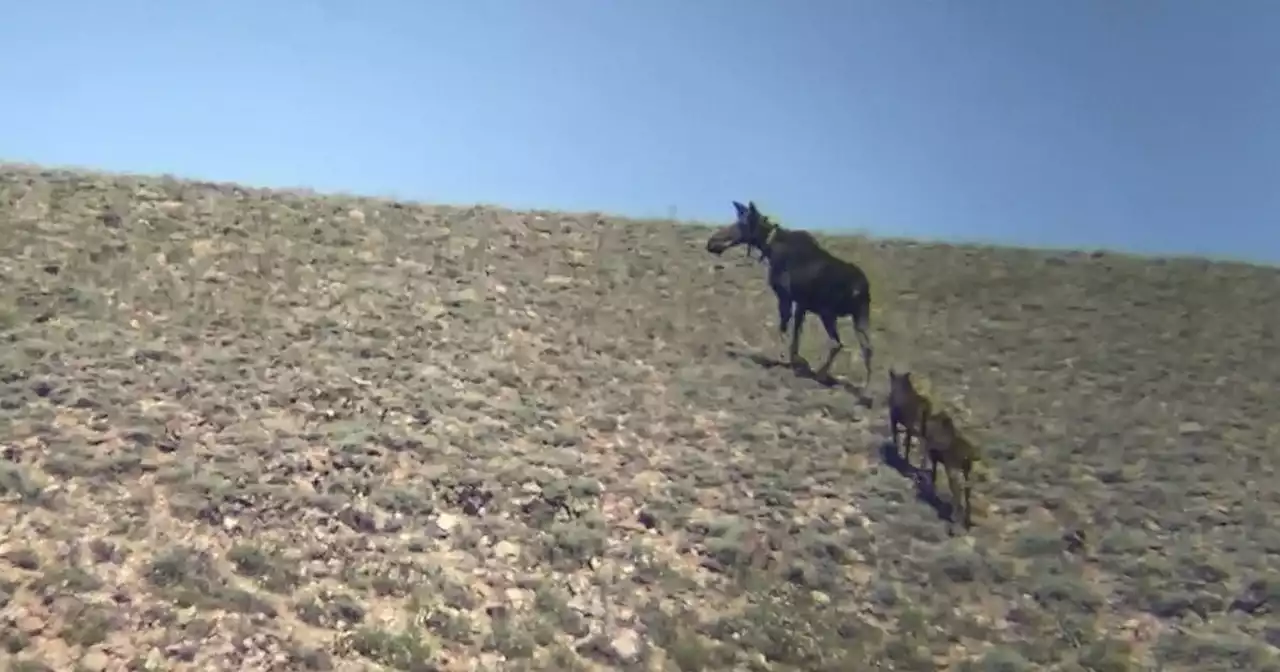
[[771, 234]]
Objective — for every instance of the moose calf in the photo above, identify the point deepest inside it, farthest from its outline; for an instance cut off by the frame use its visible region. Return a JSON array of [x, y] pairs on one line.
[[944, 442], [908, 408]]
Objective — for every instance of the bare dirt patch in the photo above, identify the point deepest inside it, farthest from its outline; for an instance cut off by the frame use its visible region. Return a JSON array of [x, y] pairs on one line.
[[260, 430]]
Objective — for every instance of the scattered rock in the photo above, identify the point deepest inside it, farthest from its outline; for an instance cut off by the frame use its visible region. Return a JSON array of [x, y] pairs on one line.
[[506, 550], [1258, 597], [24, 558], [462, 297], [626, 645], [140, 437], [1272, 635], [182, 651], [30, 624], [94, 661], [622, 648], [519, 598], [358, 520], [447, 522], [1190, 427], [1074, 540]]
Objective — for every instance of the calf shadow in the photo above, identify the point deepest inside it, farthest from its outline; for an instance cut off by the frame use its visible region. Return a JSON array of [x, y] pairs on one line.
[[804, 372], [925, 491]]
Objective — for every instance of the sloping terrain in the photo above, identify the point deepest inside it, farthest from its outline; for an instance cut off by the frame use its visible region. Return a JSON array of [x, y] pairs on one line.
[[257, 430]]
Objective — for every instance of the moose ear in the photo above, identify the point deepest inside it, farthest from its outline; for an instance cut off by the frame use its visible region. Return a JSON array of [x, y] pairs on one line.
[[751, 206], [742, 209]]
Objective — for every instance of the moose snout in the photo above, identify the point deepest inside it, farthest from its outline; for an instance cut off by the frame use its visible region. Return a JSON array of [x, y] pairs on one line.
[[719, 242]]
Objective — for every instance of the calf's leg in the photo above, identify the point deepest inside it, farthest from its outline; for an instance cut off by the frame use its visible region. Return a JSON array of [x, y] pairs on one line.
[[959, 503], [908, 433]]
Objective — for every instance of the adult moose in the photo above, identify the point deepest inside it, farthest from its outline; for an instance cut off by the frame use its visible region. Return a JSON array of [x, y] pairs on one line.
[[805, 278]]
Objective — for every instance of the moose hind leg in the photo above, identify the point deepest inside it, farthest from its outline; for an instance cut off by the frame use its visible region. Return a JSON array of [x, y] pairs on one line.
[[862, 329], [834, 345]]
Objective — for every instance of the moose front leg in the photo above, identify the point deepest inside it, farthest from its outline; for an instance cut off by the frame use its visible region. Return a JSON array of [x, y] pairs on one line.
[[785, 306], [784, 314], [797, 328]]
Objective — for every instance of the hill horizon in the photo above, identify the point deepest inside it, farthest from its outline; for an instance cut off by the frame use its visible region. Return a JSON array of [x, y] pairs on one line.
[[853, 230]]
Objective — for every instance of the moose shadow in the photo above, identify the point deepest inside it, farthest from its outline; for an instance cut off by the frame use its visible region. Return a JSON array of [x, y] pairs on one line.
[[804, 372], [925, 490]]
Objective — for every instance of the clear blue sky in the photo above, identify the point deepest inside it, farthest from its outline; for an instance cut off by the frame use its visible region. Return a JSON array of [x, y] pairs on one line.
[[1147, 125]]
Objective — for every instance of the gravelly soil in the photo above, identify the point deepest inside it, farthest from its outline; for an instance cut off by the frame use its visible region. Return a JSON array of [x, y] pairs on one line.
[[257, 430]]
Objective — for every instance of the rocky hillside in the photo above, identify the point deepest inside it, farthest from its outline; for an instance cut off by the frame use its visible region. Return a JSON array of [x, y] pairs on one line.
[[261, 430]]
